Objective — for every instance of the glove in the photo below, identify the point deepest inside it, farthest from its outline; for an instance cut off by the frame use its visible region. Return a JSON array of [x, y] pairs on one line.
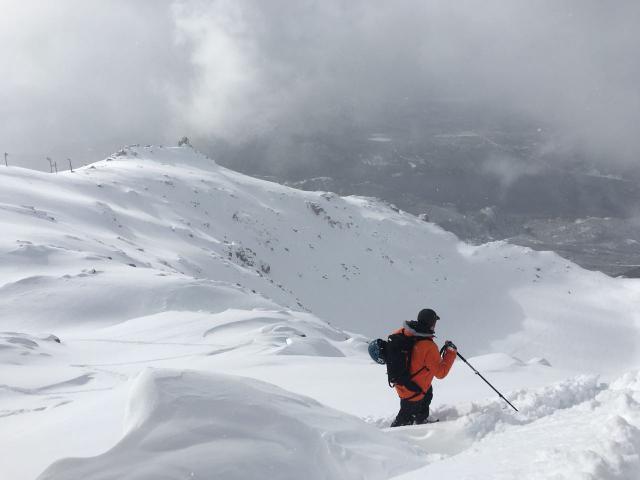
[[448, 345]]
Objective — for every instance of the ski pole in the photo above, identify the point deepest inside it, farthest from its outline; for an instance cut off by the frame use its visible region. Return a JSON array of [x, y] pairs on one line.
[[486, 381]]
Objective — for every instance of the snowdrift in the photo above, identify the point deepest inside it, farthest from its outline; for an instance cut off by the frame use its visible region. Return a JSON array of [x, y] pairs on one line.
[[183, 424], [97, 298], [576, 429], [19, 349]]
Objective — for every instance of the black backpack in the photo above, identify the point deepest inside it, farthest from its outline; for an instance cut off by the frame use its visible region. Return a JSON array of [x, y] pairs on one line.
[[396, 354]]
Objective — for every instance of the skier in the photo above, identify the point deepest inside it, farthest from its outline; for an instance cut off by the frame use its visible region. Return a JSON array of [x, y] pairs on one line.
[[426, 362]]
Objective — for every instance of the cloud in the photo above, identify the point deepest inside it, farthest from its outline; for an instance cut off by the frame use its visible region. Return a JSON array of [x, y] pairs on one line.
[[109, 72], [277, 67], [508, 170]]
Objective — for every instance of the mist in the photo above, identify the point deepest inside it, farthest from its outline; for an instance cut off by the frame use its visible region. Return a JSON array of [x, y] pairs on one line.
[[84, 78], [79, 79]]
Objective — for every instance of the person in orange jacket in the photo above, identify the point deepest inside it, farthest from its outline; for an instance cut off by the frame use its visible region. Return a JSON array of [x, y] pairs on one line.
[[426, 362]]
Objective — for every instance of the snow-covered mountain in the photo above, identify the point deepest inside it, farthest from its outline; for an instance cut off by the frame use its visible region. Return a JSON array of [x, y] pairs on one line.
[[473, 172], [130, 285]]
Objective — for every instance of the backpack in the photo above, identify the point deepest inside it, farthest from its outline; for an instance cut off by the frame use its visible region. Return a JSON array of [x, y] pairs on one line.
[[396, 354]]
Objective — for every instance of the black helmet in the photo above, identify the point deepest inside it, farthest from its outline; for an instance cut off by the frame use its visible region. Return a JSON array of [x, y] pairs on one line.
[[426, 321]]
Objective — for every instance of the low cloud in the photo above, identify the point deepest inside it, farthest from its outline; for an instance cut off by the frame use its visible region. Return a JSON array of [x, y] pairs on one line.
[[110, 72], [508, 170]]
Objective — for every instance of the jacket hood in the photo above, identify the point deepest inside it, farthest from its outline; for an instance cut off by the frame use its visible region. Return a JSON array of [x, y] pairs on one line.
[[417, 334]]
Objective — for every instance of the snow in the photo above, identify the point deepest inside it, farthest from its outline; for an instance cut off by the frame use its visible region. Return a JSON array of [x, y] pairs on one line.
[[183, 424], [595, 438], [153, 303]]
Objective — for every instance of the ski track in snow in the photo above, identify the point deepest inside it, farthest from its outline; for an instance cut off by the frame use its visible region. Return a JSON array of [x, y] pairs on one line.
[[156, 270], [466, 424], [595, 439]]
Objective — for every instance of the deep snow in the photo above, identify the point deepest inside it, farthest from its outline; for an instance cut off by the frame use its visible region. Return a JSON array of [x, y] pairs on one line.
[[158, 258], [192, 425]]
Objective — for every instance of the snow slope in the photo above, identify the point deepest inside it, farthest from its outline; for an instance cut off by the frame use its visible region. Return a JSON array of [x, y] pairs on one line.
[[354, 262], [157, 257]]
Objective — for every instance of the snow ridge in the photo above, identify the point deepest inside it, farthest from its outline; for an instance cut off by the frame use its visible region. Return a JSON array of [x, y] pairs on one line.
[[183, 424]]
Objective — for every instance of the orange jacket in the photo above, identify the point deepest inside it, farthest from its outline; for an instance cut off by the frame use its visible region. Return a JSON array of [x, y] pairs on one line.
[[425, 359]]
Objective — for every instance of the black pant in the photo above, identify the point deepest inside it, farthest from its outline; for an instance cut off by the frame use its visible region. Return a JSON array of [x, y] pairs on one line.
[[414, 412]]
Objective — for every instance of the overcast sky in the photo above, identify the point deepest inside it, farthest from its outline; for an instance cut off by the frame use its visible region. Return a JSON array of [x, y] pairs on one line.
[[80, 78]]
